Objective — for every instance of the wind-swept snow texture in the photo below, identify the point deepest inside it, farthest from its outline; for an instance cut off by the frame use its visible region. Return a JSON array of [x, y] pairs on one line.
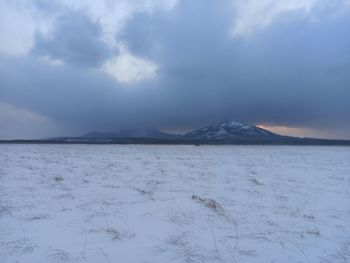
[[115, 203]]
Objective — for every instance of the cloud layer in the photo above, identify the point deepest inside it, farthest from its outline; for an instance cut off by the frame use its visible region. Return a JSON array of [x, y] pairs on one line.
[[75, 40], [179, 65]]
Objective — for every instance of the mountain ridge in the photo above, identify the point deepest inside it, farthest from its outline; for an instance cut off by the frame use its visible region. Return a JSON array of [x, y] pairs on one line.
[[130, 133], [231, 130], [226, 132], [223, 130]]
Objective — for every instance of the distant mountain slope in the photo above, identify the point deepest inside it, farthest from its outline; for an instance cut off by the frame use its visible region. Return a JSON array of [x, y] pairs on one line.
[[227, 132], [231, 130], [130, 133]]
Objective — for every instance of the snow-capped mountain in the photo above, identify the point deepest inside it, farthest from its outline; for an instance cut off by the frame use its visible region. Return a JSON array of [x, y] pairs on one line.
[[231, 130], [227, 132]]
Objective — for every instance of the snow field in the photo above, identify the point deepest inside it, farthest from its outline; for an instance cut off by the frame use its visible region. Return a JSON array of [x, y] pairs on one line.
[[144, 203]]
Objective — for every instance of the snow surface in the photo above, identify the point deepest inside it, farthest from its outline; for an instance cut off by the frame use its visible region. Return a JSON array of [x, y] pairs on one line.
[[130, 203], [236, 125]]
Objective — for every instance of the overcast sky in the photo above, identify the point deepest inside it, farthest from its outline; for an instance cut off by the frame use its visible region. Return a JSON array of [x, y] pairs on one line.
[[68, 67]]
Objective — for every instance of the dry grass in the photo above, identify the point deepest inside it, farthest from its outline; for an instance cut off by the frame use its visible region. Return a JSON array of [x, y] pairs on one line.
[[210, 203]]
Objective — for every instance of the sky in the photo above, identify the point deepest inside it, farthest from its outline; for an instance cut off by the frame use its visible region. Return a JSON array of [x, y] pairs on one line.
[[68, 67]]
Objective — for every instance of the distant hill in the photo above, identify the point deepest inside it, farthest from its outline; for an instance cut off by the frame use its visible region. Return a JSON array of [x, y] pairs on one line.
[[231, 130], [130, 133], [227, 132]]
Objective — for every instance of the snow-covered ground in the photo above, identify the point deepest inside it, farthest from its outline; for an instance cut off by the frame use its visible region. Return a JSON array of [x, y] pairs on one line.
[[130, 203]]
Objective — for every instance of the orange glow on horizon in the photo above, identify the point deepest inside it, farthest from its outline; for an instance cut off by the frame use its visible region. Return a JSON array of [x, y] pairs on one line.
[[285, 130]]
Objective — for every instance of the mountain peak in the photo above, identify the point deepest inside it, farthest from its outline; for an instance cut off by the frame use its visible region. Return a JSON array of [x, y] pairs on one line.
[[230, 130], [235, 124]]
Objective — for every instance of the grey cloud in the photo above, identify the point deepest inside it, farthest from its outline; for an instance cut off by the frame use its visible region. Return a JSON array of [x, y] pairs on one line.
[[76, 40], [75, 97]]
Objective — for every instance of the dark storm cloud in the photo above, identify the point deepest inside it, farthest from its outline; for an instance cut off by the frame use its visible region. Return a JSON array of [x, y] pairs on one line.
[[80, 99], [295, 72], [281, 75], [75, 40]]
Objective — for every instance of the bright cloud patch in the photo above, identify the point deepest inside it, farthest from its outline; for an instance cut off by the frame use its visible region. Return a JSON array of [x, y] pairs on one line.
[[50, 61], [252, 14], [129, 68]]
